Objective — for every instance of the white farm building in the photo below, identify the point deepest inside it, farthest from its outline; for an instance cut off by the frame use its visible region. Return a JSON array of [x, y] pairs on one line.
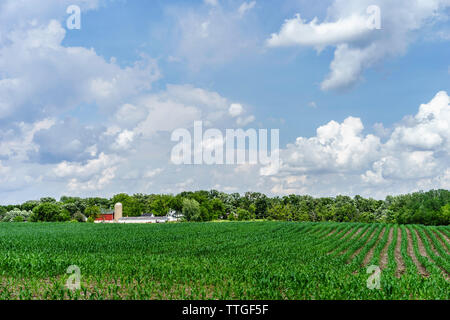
[[116, 216]]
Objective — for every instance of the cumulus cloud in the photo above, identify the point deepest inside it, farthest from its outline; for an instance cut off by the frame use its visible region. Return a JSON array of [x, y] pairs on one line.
[[298, 32], [86, 170], [16, 15], [39, 76], [124, 139], [336, 148], [358, 46], [17, 141], [65, 140], [93, 174], [187, 102], [416, 155], [45, 151]]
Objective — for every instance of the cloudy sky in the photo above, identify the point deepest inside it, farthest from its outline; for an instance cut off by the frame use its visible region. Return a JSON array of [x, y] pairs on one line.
[[90, 111]]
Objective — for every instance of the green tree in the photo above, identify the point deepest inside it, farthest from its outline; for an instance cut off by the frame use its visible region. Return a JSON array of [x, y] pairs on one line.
[[131, 207], [160, 204], [18, 219], [191, 210], [49, 212], [29, 205], [445, 214], [218, 209], [93, 212], [280, 211], [2, 212], [243, 214]]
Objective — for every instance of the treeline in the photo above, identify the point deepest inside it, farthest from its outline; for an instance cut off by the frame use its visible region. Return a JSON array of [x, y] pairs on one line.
[[428, 208]]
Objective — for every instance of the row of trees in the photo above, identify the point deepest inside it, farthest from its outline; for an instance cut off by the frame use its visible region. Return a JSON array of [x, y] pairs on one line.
[[429, 208]]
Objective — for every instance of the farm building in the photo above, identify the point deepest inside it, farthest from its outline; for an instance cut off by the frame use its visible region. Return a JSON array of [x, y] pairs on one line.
[[110, 216], [115, 216], [105, 216]]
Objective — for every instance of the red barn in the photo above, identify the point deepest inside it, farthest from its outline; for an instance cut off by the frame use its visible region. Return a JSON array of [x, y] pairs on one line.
[[106, 216]]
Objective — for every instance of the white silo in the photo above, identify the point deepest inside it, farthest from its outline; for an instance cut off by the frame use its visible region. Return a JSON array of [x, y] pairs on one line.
[[118, 211]]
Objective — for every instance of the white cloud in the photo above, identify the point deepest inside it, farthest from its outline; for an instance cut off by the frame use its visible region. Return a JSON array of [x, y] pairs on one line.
[[3, 170], [213, 3], [319, 35], [340, 157], [91, 167], [212, 36], [126, 151], [129, 115], [124, 140], [429, 129], [243, 121], [348, 65], [245, 7], [17, 142], [235, 110], [98, 182], [381, 131], [42, 76], [336, 148], [153, 173], [357, 46]]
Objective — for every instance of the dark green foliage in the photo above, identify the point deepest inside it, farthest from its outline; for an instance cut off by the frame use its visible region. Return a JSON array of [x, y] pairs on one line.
[[93, 212], [428, 208], [3, 211], [49, 212], [243, 214], [29, 205], [191, 210], [18, 219]]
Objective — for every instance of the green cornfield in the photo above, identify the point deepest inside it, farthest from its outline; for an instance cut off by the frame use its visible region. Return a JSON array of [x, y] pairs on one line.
[[236, 260]]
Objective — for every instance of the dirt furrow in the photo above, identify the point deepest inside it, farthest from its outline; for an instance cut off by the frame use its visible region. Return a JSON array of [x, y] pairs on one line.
[[384, 253], [362, 247], [422, 250], [357, 234], [445, 236], [441, 241], [352, 237], [433, 248], [398, 255], [333, 231], [346, 234], [411, 253], [369, 254], [425, 253], [356, 237]]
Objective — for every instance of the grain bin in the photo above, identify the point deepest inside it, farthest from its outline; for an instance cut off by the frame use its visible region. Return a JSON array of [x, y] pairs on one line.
[[118, 209]]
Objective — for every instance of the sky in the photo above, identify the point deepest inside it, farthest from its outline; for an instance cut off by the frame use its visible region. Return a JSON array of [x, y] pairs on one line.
[[360, 97]]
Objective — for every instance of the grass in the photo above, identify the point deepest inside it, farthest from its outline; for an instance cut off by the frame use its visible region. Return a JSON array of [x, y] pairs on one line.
[[239, 260]]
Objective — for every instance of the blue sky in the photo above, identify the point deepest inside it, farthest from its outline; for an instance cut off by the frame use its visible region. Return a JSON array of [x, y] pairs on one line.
[[90, 112], [278, 84]]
